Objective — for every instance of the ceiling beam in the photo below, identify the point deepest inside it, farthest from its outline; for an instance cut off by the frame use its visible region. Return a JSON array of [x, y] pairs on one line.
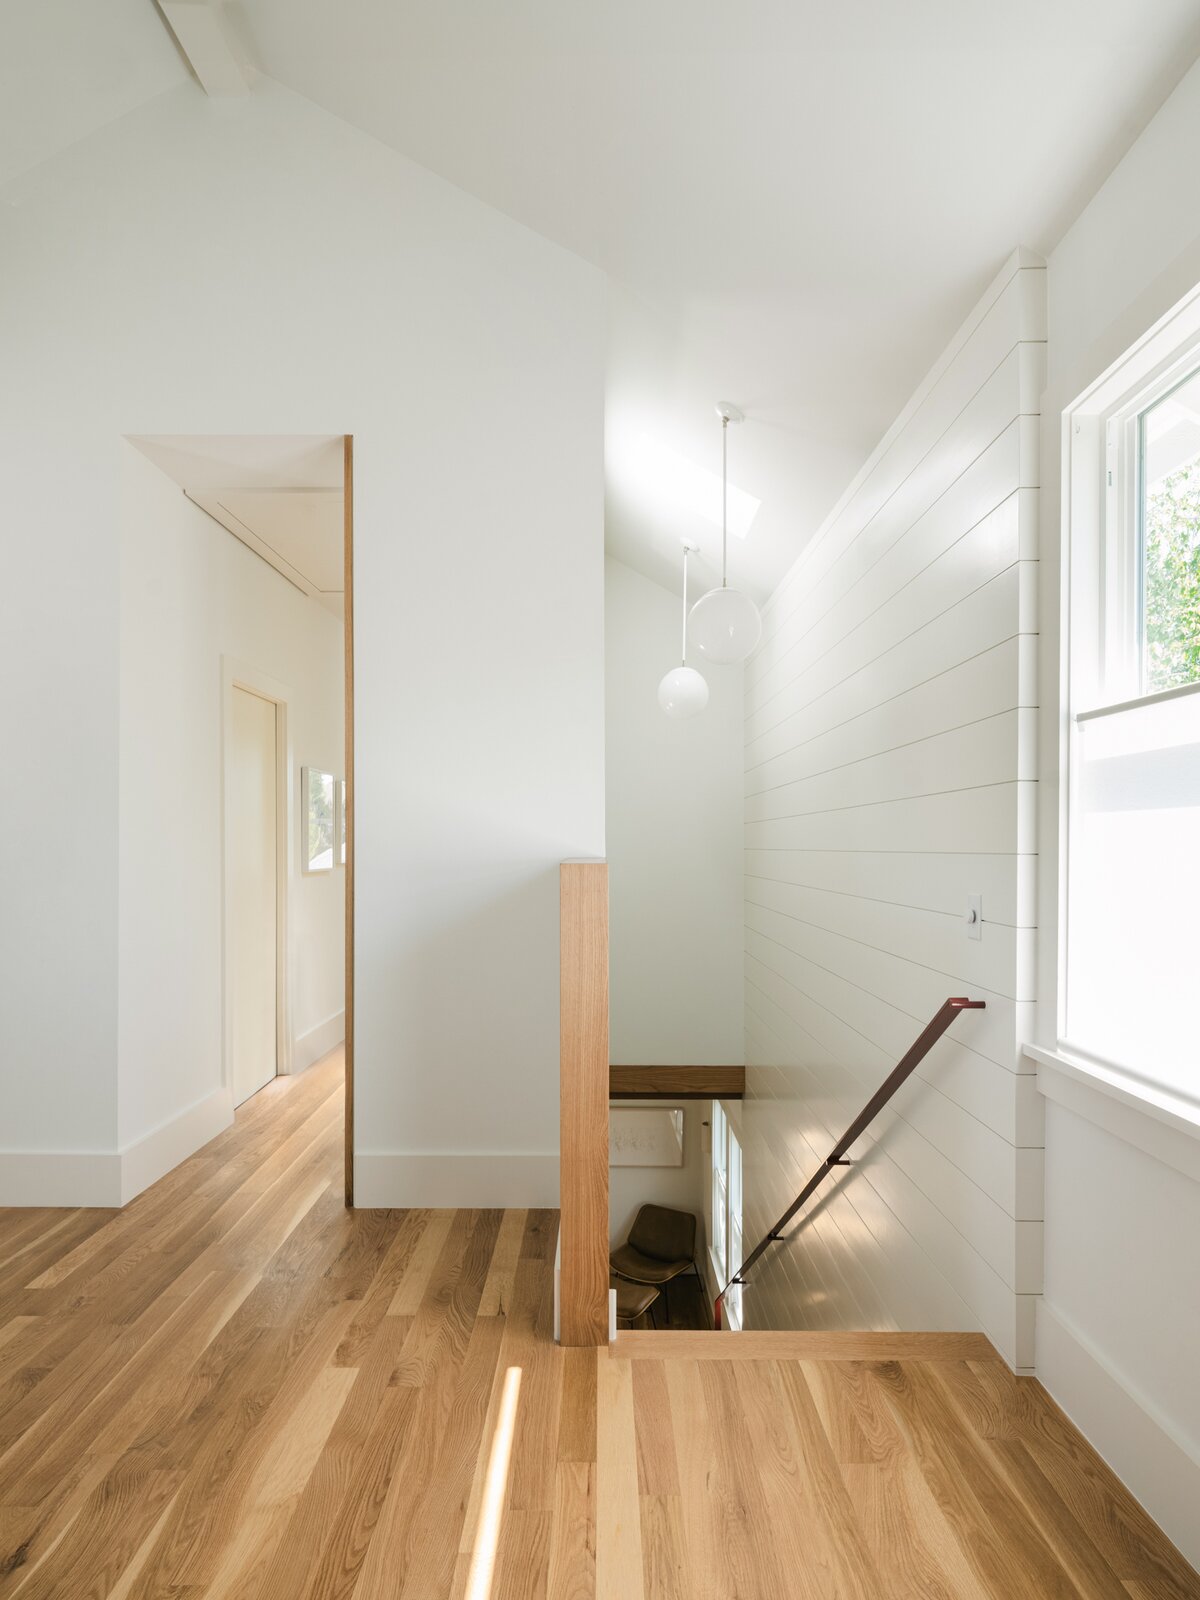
[[203, 32]]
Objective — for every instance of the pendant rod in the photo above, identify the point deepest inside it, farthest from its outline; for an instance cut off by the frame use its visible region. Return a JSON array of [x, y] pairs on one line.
[[724, 502], [683, 646]]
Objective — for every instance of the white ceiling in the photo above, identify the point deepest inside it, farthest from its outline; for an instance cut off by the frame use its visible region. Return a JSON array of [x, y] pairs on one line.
[[797, 201], [279, 494], [69, 66]]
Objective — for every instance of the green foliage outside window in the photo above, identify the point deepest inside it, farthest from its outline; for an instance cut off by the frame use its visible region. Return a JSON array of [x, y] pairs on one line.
[[320, 816], [1171, 577]]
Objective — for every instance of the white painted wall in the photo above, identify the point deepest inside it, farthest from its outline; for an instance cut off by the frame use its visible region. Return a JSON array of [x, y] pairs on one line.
[[890, 727], [681, 1187], [58, 846], [674, 823], [1118, 1325], [191, 595], [258, 266]]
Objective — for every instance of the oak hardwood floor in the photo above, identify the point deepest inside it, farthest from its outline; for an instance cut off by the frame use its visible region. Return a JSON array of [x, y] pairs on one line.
[[236, 1388]]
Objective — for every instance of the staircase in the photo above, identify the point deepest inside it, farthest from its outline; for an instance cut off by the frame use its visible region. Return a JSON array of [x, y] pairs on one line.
[[838, 1157]]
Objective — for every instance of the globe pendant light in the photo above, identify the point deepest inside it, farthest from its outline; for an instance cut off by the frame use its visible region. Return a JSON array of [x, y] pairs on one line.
[[725, 622], [683, 692]]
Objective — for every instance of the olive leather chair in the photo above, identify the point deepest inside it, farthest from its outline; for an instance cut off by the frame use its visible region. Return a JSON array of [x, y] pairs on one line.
[[635, 1301], [661, 1245]]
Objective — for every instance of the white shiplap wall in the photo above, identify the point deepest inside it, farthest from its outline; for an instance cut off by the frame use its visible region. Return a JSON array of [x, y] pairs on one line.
[[890, 746]]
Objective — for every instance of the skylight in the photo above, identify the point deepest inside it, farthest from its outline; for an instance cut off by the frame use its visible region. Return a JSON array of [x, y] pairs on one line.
[[672, 483]]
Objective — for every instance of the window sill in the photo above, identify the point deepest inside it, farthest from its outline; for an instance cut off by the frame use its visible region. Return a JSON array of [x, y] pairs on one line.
[[1156, 1121], [1182, 691]]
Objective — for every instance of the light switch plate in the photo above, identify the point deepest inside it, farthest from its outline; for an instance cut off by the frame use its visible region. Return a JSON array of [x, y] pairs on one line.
[[974, 917]]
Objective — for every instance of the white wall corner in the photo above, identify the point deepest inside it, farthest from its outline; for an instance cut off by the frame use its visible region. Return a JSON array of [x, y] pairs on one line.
[[111, 1178], [1031, 376], [206, 35], [1031, 281], [1023, 1356], [1029, 435], [161, 1150], [1028, 524], [318, 1042]]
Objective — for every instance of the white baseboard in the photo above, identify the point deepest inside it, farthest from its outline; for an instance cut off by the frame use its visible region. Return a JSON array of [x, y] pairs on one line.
[[1158, 1467], [111, 1178], [60, 1178], [318, 1042], [156, 1153], [485, 1178]]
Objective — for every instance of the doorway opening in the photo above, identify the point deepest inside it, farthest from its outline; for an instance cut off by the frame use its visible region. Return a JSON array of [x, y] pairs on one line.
[[237, 595], [257, 1036]]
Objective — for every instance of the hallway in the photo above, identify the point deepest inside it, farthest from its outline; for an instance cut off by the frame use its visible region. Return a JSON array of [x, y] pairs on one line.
[[235, 1387]]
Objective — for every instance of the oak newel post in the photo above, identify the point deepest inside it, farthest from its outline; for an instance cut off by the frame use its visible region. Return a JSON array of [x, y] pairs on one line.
[[583, 1101]]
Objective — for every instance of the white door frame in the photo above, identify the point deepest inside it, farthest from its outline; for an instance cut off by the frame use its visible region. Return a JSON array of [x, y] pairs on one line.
[[237, 674]]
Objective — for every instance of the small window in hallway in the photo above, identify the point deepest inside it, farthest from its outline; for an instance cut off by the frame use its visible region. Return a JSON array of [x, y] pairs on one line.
[[319, 820]]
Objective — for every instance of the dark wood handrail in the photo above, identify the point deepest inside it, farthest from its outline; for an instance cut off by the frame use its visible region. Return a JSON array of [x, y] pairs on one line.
[[917, 1051]]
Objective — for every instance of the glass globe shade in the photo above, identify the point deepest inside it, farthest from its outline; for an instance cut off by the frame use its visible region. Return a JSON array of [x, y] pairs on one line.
[[724, 626], [682, 693]]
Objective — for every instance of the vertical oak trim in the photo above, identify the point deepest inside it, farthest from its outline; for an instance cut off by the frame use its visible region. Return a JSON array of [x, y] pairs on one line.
[[583, 1101], [348, 612]]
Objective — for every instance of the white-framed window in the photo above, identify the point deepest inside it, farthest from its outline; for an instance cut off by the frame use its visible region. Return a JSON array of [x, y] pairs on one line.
[[725, 1244], [718, 1244], [733, 1299], [1130, 876], [1150, 547]]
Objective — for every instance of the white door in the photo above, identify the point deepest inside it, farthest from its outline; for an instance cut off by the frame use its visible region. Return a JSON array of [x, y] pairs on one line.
[[252, 813]]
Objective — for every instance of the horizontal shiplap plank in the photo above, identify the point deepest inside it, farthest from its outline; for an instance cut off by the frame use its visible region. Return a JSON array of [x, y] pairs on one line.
[[890, 773], [980, 539], [839, 690], [989, 470], [844, 1252], [847, 1255], [994, 817], [1013, 317], [924, 880], [970, 691], [931, 1197], [995, 749], [1008, 1175], [863, 937], [875, 991], [910, 1227], [996, 453], [909, 985]]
